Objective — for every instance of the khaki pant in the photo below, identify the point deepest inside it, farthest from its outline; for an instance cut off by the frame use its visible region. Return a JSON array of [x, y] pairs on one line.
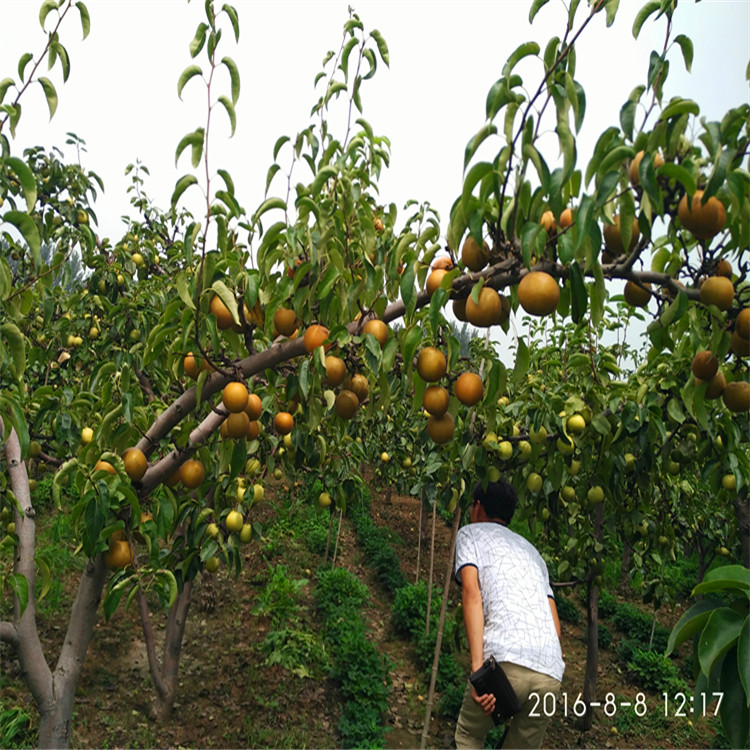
[[524, 731]]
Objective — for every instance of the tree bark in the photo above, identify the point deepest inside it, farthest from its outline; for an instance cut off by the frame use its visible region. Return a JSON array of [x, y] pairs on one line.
[[53, 693], [592, 627], [164, 675], [55, 721], [432, 568]]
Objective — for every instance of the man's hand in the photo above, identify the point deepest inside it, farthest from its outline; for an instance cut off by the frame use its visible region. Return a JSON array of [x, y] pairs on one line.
[[486, 702]]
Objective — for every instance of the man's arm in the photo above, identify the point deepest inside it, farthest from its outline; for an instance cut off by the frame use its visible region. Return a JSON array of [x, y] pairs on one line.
[[555, 617], [471, 599]]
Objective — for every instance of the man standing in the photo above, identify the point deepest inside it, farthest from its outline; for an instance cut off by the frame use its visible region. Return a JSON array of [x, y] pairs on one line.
[[509, 613]]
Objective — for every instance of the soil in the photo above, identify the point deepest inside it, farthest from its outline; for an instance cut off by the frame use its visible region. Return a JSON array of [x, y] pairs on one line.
[[228, 698]]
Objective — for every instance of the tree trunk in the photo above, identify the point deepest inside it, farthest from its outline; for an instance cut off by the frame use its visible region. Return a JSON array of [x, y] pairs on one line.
[[624, 582], [592, 625], [592, 653], [53, 693], [419, 538], [432, 568], [56, 716], [441, 623], [164, 676]]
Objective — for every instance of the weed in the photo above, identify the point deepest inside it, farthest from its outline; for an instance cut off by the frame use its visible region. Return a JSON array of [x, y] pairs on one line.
[[16, 728], [278, 600], [299, 651]]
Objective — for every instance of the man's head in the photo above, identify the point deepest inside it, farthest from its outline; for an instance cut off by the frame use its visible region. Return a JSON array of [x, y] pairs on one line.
[[498, 500]]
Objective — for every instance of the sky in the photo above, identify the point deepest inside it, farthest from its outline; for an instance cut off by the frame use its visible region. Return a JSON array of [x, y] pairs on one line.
[[121, 97]]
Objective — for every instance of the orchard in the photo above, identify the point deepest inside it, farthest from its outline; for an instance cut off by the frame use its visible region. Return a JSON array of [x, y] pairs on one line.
[[163, 377]]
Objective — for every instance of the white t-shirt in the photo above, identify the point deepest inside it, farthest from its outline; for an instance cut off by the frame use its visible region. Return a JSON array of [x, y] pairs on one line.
[[514, 582]]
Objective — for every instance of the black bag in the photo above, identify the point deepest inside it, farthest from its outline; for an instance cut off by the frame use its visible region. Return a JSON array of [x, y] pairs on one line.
[[490, 678]]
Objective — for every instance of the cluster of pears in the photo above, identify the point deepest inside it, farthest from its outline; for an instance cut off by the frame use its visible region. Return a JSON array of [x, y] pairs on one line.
[[468, 389]]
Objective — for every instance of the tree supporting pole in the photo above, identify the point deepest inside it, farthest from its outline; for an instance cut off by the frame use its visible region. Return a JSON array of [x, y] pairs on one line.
[[439, 641]]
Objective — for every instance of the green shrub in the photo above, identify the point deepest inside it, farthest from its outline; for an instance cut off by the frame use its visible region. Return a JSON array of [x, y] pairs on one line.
[[450, 702], [376, 546], [681, 576], [409, 609], [607, 604], [567, 610], [337, 587], [361, 671], [655, 672], [605, 636], [638, 625]]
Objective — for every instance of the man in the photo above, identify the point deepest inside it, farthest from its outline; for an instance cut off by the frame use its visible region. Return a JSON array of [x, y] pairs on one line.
[[509, 613]]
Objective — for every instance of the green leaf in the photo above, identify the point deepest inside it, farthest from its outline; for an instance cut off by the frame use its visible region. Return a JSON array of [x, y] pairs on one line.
[[643, 14], [5, 84], [325, 174], [20, 587], [686, 45], [627, 118], [44, 11], [743, 657], [184, 291], [484, 132], [83, 11], [62, 54], [190, 72], [181, 186], [475, 174], [50, 94], [27, 227], [734, 577], [44, 578], [227, 297], [611, 7], [382, 46], [719, 172], [523, 50], [196, 45], [268, 205], [233, 19], [234, 77], [679, 174], [678, 107], [13, 339], [26, 178], [578, 295], [536, 6], [229, 107], [23, 61], [195, 141], [531, 153], [522, 363], [735, 718]]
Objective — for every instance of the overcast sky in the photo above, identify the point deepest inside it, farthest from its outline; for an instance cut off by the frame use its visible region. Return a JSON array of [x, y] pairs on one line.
[[121, 97]]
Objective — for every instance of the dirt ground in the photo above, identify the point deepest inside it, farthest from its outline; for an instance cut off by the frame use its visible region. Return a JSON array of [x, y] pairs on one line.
[[228, 698]]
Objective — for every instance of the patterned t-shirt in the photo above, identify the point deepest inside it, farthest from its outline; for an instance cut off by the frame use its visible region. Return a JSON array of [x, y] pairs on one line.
[[514, 582]]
